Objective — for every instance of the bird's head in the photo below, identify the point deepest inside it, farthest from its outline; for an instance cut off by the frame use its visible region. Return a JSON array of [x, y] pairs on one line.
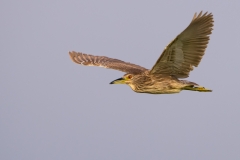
[[126, 79]]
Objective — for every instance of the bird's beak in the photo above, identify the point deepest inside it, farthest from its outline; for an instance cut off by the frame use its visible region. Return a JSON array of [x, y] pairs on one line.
[[118, 81]]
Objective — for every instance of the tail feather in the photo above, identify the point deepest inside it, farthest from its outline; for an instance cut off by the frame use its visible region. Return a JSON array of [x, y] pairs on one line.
[[197, 88]]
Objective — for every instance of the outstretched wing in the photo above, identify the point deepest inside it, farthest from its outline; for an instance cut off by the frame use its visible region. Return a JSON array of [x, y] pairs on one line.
[[187, 49], [101, 61]]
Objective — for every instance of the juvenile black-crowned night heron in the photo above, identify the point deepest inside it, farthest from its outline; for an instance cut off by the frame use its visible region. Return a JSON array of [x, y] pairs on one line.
[[176, 61]]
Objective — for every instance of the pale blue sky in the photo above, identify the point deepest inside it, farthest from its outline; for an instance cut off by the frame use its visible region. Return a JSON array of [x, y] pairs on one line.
[[51, 108]]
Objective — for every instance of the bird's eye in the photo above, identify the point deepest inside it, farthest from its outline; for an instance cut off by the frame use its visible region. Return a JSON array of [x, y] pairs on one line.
[[129, 76]]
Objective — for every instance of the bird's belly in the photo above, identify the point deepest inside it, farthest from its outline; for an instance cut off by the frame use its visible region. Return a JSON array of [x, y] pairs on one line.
[[159, 88], [160, 91]]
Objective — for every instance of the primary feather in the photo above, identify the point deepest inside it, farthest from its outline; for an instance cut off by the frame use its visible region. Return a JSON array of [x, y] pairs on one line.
[[102, 61]]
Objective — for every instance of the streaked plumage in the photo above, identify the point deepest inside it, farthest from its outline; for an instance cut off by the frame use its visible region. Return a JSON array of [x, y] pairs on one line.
[[177, 60]]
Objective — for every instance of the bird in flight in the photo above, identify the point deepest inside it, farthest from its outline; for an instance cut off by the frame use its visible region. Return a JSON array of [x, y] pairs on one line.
[[176, 61]]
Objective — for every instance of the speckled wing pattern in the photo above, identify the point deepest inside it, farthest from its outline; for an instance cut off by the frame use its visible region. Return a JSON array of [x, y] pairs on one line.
[[187, 49], [102, 61]]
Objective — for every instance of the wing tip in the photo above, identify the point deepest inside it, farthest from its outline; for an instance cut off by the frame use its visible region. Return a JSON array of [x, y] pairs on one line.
[[73, 55], [201, 14]]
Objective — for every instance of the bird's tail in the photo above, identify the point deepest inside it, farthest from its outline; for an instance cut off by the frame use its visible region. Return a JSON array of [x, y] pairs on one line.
[[194, 87], [197, 88]]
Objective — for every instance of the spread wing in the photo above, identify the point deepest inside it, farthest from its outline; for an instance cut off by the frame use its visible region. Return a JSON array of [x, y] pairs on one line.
[[187, 49], [101, 61]]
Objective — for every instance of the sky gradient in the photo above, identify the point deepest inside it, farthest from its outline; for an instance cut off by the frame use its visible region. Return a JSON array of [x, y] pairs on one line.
[[52, 108]]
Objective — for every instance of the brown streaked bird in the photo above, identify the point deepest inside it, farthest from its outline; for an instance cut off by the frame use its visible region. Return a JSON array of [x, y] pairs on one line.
[[177, 60]]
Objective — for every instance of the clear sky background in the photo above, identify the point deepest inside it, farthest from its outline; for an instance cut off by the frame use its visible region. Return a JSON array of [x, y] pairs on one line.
[[52, 108]]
